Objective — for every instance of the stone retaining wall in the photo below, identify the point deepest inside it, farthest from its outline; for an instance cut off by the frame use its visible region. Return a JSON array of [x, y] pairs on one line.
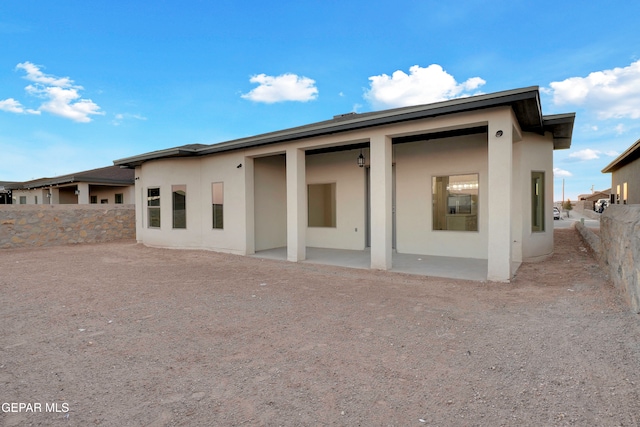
[[591, 239], [620, 249], [48, 225]]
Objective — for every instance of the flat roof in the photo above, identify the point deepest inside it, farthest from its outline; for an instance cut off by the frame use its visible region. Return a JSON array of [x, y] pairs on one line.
[[525, 103]]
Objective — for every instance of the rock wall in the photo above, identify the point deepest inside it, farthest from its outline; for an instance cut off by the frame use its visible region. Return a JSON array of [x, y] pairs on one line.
[[620, 249], [591, 239], [48, 225]]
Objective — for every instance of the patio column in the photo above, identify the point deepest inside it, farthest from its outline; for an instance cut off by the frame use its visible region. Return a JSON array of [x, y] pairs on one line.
[[83, 193], [500, 198], [381, 219], [296, 205], [249, 207]]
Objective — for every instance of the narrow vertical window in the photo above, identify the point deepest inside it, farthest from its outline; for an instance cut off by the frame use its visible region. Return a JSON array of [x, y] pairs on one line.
[[617, 194], [217, 202], [624, 193], [93, 199], [153, 207], [179, 197], [537, 201], [321, 204]]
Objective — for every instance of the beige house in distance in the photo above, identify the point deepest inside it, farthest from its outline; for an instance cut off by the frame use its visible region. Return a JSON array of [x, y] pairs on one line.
[[466, 178], [111, 184], [625, 176]]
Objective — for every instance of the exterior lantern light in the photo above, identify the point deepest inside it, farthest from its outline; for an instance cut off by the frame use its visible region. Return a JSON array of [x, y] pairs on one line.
[[361, 160]]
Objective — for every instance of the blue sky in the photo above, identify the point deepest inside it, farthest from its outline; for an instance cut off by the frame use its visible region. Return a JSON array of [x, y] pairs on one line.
[[85, 82]]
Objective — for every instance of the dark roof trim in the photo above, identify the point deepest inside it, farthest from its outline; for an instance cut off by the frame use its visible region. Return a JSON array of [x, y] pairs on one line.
[[561, 126], [525, 103], [630, 154]]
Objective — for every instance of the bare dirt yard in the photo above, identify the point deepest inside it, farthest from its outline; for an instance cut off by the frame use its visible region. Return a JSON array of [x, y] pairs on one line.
[[119, 334]]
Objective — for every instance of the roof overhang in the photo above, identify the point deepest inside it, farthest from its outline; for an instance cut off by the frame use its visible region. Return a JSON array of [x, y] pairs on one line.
[[630, 154], [524, 102]]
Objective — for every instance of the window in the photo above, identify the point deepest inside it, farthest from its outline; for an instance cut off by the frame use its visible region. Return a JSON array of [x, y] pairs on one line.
[[217, 202], [321, 205], [104, 201], [93, 199], [179, 197], [624, 193], [119, 198], [617, 194], [537, 201], [153, 207], [37, 198], [455, 202]]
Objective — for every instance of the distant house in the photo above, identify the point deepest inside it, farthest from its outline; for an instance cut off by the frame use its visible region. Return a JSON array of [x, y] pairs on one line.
[[589, 200], [110, 184], [465, 178], [625, 176], [5, 191]]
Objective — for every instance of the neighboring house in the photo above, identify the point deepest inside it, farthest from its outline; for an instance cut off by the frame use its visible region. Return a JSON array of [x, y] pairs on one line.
[[625, 176], [588, 200], [466, 178], [110, 184], [5, 192]]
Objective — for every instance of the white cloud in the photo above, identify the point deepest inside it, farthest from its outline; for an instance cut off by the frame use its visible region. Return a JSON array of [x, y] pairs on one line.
[[35, 75], [420, 86], [286, 87], [561, 172], [610, 93], [589, 154], [120, 117], [12, 106], [61, 97]]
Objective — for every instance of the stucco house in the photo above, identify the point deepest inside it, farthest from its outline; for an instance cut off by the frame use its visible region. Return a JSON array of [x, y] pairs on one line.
[[625, 176], [111, 184], [465, 178]]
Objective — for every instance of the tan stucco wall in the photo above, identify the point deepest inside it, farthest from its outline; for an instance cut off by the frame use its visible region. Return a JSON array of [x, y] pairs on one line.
[[416, 164], [630, 174], [270, 209], [536, 154], [340, 168]]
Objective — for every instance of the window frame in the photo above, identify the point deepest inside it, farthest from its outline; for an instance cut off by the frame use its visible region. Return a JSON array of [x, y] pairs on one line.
[[447, 217], [328, 218], [119, 198], [179, 208], [538, 208], [153, 207], [217, 209]]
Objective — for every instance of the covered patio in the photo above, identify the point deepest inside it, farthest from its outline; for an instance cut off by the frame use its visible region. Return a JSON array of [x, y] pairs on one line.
[[423, 265]]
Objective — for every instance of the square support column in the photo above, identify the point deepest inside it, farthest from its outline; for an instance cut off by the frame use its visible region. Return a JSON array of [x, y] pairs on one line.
[[296, 205], [249, 205], [500, 198], [381, 203], [83, 193]]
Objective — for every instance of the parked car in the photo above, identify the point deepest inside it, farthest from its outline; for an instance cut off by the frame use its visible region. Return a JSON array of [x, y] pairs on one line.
[[556, 213], [601, 205]]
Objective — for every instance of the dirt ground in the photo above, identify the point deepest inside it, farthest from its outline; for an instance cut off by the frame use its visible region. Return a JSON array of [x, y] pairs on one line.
[[119, 334]]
